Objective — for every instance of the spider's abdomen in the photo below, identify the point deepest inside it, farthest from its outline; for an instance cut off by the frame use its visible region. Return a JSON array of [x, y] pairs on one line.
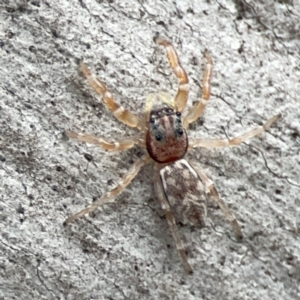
[[166, 139], [185, 192]]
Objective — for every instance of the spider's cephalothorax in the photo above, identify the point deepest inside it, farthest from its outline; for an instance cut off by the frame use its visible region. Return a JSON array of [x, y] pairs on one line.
[[181, 188], [166, 138]]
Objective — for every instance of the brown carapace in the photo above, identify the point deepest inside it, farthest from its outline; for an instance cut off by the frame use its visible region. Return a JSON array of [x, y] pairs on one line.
[[166, 138], [181, 188]]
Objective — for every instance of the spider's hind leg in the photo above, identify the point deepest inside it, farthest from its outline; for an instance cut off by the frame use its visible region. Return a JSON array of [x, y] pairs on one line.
[[123, 183], [172, 223], [228, 214]]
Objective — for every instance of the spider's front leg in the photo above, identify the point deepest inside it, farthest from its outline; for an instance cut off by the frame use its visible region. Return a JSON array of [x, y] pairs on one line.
[[183, 89], [114, 192], [197, 110], [119, 112]]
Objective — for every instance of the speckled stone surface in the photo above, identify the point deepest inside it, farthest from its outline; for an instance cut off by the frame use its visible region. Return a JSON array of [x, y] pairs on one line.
[[125, 249]]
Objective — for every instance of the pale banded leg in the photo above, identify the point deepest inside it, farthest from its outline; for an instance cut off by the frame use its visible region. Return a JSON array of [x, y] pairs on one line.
[[197, 110], [219, 143], [183, 89], [120, 145], [228, 214], [119, 112], [179, 244], [127, 178], [171, 221]]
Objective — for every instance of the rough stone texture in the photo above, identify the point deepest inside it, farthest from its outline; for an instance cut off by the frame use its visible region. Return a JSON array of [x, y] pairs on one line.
[[125, 249]]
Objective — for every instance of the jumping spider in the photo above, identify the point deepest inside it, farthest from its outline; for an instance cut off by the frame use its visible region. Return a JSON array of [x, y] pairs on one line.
[[181, 188]]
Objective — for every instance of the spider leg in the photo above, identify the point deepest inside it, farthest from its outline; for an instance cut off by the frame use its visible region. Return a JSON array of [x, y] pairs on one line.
[[183, 89], [172, 223], [119, 112], [127, 178], [228, 214], [119, 145], [197, 110], [179, 244], [219, 143]]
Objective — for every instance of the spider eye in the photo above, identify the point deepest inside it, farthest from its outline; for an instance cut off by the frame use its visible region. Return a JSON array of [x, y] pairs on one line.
[[158, 137], [178, 114], [180, 132]]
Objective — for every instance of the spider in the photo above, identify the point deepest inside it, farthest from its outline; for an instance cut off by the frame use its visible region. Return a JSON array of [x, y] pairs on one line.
[[181, 188]]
